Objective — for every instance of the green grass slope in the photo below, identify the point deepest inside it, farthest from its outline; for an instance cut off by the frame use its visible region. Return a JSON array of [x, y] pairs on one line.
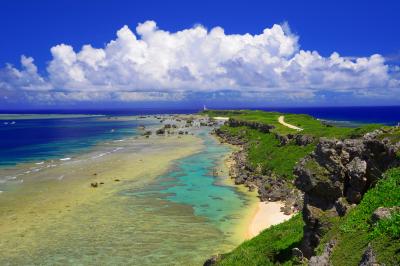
[[354, 231], [266, 153], [310, 125], [272, 246]]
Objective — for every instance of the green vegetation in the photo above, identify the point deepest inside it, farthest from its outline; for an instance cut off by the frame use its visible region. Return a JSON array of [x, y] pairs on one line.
[[309, 124], [393, 136], [266, 152], [389, 227], [317, 170], [272, 246], [355, 230]]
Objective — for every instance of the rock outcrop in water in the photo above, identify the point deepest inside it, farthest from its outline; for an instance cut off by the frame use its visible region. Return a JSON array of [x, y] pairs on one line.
[[336, 176]]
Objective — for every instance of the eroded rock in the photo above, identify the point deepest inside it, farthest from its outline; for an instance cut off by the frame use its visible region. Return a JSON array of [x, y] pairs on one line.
[[369, 258], [382, 213], [336, 176], [324, 258]]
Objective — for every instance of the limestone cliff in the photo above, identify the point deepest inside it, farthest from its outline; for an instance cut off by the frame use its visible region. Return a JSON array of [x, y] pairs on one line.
[[337, 174]]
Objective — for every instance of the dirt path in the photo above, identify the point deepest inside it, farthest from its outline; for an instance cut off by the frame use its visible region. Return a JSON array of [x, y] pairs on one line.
[[281, 120]]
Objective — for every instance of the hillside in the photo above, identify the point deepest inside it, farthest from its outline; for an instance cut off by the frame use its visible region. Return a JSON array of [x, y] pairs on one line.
[[323, 171]]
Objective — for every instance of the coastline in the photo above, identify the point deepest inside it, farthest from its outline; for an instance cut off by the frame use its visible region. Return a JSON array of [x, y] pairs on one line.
[[258, 215], [266, 215], [247, 213], [108, 190]]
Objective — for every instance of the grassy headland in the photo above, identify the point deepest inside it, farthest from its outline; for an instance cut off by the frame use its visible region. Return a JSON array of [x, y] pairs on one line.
[[310, 125], [272, 151], [266, 151]]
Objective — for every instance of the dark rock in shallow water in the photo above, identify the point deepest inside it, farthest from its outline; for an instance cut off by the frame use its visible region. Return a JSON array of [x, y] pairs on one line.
[[213, 260], [147, 133], [160, 131]]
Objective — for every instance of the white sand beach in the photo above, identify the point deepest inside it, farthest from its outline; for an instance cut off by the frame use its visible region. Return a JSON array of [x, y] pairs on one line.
[[266, 215]]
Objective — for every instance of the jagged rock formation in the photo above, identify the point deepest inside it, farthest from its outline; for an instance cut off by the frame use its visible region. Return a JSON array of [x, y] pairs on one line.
[[270, 187], [234, 140], [336, 176], [265, 128], [298, 139], [323, 259], [369, 258]]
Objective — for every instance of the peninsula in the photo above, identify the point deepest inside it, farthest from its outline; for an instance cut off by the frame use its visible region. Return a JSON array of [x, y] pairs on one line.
[[340, 185]]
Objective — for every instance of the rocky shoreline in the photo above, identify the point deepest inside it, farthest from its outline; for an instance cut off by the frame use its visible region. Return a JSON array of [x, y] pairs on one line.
[[329, 182], [269, 187]]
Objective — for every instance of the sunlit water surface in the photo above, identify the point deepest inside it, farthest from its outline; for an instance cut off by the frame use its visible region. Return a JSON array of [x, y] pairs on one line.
[[179, 218]]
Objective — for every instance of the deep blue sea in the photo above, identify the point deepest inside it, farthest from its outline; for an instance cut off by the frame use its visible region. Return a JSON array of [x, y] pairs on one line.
[[30, 140], [389, 115], [26, 140]]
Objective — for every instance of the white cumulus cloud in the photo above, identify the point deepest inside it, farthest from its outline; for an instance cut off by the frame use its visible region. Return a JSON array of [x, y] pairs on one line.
[[154, 64]]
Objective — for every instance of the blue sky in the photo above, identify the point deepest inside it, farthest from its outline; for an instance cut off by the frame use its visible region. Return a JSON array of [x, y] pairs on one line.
[[289, 65]]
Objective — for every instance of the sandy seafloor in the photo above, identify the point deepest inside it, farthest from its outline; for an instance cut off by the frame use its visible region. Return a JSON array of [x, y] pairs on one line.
[[159, 203]]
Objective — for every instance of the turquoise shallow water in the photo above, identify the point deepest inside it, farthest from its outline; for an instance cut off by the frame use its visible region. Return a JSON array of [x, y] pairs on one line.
[[193, 182], [179, 218]]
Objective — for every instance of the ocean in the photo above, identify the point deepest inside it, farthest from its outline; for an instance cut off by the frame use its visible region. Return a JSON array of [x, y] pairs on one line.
[[42, 137], [388, 115], [146, 209], [179, 212]]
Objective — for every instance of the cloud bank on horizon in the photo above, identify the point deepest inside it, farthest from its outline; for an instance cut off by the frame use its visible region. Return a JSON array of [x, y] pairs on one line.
[[157, 65]]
